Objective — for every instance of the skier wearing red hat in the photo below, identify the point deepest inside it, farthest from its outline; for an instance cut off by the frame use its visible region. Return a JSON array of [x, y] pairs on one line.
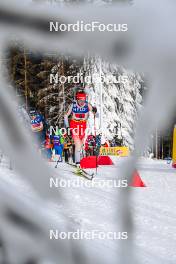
[[79, 112]]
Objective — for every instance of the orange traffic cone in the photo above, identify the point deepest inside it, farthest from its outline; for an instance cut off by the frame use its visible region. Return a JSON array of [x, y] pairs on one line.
[[137, 181]]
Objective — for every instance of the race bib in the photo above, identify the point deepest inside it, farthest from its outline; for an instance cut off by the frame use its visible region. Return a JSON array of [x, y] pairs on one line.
[[37, 127]]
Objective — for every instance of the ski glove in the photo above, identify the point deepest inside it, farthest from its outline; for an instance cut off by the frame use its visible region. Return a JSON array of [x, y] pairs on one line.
[[94, 109]]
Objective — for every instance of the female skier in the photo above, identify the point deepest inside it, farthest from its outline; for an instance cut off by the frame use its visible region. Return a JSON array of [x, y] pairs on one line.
[[79, 112]]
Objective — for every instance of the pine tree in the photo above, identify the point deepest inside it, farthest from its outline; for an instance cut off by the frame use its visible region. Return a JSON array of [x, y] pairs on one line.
[[120, 102], [31, 77]]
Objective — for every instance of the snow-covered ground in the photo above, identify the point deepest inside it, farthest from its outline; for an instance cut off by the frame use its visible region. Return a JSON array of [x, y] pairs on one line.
[[95, 207]]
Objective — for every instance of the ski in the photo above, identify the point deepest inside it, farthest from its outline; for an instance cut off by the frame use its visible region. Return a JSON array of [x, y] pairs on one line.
[[85, 174]]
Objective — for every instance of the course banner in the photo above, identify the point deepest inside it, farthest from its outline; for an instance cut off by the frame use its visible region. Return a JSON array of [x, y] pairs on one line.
[[115, 151]]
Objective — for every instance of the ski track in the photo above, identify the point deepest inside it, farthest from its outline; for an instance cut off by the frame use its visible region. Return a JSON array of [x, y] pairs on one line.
[[154, 210]]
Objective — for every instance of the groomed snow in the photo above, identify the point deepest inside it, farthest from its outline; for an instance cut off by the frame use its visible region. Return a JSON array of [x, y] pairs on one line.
[[96, 208]]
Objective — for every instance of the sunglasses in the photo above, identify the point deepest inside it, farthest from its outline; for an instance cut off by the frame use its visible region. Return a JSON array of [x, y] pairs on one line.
[[81, 100]]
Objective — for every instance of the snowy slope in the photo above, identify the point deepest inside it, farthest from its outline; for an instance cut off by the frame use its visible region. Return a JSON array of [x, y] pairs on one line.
[[94, 208]]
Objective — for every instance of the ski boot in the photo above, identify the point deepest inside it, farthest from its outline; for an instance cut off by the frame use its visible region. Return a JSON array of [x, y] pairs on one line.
[[78, 170]]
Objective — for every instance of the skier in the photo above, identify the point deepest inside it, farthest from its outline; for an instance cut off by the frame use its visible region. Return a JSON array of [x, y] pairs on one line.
[[67, 149], [58, 142], [37, 121], [90, 145], [98, 144], [48, 146], [38, 126], [79, 111]]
